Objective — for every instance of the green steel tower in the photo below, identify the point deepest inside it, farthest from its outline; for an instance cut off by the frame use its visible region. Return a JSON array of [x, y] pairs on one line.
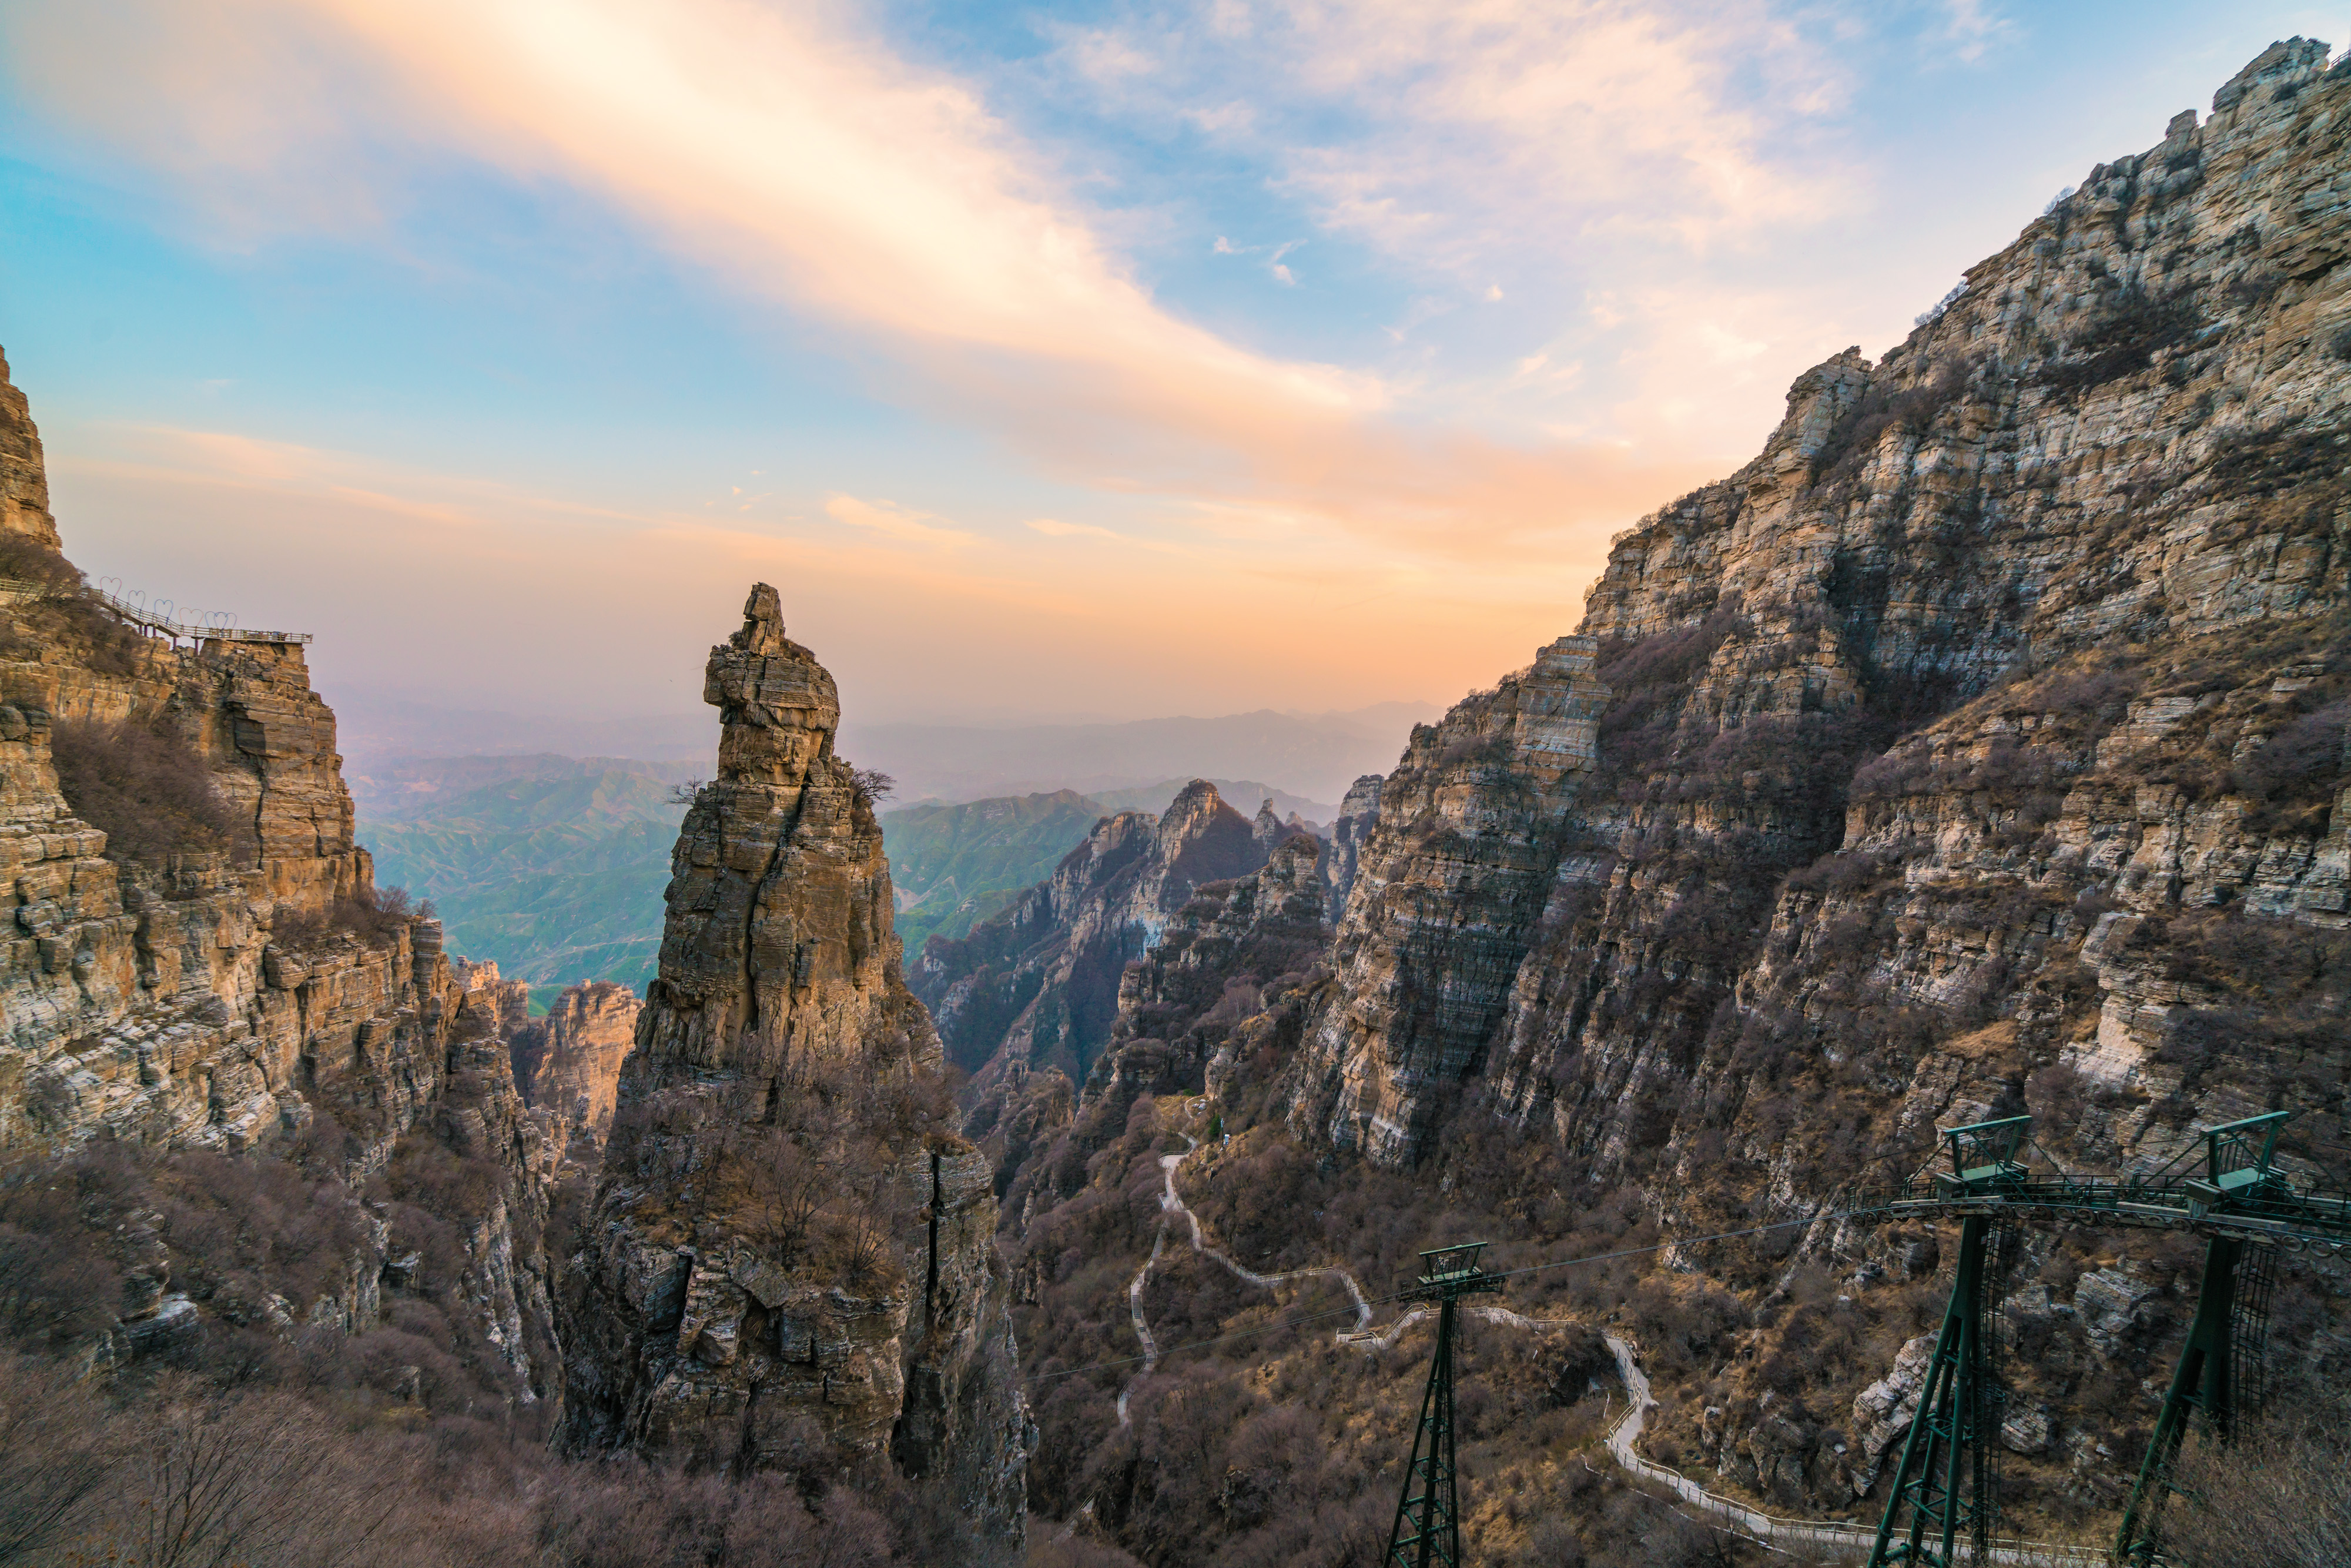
[[1944, 1484], [2219, 1376], [1428, 1530]]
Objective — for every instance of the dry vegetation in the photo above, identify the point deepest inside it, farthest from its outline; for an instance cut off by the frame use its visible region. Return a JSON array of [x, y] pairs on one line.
[[266, 1428], [149, 789]]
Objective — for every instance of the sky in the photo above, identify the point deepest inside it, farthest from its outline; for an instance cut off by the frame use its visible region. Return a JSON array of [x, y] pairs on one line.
[[1068, 361]]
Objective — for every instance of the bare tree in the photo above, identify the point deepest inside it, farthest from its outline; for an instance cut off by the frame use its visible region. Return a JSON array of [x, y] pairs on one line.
[[56, 1451], [2276, 1497]]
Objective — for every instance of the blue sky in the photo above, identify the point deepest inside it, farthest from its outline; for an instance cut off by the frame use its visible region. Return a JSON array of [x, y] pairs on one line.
[[1102, 359]]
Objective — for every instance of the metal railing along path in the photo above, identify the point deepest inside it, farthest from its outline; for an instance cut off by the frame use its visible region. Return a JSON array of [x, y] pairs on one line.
[[216, 626]]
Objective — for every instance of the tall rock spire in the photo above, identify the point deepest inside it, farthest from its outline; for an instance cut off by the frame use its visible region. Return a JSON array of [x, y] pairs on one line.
[[779, 945], [787, 1226]]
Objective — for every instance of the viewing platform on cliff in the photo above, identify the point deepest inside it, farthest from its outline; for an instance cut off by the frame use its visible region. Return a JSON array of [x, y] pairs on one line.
[[215, 626]]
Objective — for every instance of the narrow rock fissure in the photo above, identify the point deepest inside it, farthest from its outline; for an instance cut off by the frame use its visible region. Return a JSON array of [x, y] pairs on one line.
[[931, 1284]]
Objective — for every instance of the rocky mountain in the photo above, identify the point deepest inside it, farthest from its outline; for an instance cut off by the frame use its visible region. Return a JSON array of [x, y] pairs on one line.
[[569, 1063], [1349, 828], [788, 1237], [1980, 747], [284, 1193], [1036, 984], [202, 965]]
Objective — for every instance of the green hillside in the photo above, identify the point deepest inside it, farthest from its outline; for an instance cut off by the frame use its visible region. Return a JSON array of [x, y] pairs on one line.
[[953, 866], [558, 879]]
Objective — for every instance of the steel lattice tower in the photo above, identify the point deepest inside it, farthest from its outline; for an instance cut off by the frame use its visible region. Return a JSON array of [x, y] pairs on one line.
[[1945, 1482], [2219, 1376], [1428, 1530]]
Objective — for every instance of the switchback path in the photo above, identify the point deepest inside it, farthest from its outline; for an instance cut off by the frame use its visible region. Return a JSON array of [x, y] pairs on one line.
[[1783, 1534]]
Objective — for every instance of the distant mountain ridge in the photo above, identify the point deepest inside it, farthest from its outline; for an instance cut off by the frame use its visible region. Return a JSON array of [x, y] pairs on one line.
[[1316, 755], [558, 876]]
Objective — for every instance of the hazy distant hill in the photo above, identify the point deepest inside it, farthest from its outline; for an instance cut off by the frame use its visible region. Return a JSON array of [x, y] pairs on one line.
[[1243, 795], [554, 866], [556, 874], [953, 866], [1316, 755]]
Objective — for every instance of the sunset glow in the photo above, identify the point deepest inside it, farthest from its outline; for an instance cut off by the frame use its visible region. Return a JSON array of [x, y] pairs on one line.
[[1116, 361]]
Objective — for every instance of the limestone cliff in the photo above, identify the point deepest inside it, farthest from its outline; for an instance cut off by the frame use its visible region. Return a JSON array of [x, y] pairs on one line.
[[1451, 880], [1979, 746], [788, 1238], [1357, 813], [24, 477], [569, 1063], [213, 968], [2120, 450]]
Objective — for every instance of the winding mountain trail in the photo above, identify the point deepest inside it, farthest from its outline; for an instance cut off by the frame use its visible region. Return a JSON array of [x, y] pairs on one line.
[[1832, 1536]]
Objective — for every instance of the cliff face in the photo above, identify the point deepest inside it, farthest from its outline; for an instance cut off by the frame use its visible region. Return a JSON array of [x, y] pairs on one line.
[[216, 971], [786, 1235], [1452, 878], [569, 1063], [24, 477], [1036, 986], [1357, 814], [2111, 475]]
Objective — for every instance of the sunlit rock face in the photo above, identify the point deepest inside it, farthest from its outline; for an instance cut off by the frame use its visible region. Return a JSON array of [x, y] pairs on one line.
[[788, 1237], [2075, 552], [253, 996], [1451, 879], [210, 998], [569, 1063]]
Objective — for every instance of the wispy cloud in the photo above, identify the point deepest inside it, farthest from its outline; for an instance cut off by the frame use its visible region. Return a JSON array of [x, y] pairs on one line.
[[895, 522], [880, 200], [1062, 531], [1466, 121], [1972, 28]]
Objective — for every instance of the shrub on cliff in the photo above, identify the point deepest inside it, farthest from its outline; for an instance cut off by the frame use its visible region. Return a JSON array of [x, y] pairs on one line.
[[62, 612], [147, 788]]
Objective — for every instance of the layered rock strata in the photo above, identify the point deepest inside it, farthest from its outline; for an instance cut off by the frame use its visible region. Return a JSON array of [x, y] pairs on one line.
[[1357, 813], [24, 477], [2117, 460], [1453, 876], [252, 994], [1980, 747], [787, 1234], [569, 1063]]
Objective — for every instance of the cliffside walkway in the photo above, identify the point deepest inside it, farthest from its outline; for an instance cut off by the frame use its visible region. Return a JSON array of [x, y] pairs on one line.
[[1818, 1535], [218, 626]]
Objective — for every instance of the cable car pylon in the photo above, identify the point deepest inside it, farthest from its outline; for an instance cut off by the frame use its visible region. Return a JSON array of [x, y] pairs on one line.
[[1427, 1529]]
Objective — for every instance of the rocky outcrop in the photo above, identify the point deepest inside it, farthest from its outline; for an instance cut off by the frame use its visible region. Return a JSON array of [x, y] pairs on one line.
[[24, 477], [1979, 747], [569, 1063], [2113, 465], [1352, 826], [1036, 986], [788, 1236], [246, 989], [1454, 874], [1180, 1004]]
